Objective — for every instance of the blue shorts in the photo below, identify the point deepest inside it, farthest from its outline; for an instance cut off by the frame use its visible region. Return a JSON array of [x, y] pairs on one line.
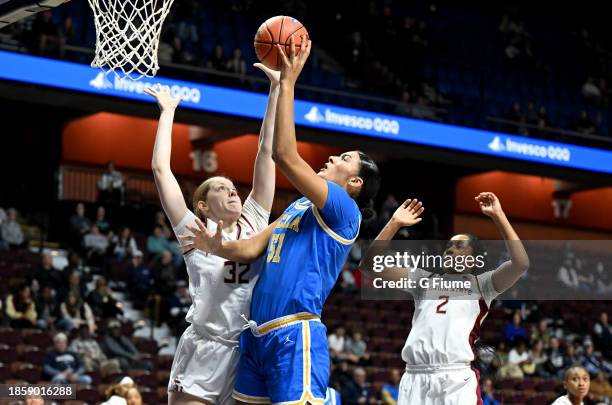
[[284, 361]]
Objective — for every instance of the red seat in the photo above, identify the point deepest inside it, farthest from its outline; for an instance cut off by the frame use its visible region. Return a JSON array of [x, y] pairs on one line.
[[146, 380], [146, 345], [89, 395], [32, 355], [41, 339], [149, 397], [30, 373], [10, 337], [7, 355]]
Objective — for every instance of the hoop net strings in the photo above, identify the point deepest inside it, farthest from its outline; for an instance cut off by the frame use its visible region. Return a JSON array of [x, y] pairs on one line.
[[128, 34]]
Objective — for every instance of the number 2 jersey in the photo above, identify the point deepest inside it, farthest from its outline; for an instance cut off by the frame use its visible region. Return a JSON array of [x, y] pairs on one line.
[[221, 290], [306, 252], [446, 323]]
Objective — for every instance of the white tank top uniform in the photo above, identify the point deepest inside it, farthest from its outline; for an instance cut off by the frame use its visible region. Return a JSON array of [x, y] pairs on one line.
[[207, 354], [440, 346], [564, 400]]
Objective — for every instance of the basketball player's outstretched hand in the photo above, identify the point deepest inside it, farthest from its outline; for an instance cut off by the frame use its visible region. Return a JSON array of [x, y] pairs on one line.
[[293, 64], [273, 75], [409, 213], [489, 204], [202, 239], [164, 99]]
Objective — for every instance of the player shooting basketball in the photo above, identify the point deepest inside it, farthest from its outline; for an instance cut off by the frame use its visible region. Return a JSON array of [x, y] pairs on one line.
[[204, 367], [284, 356], [440, 347]]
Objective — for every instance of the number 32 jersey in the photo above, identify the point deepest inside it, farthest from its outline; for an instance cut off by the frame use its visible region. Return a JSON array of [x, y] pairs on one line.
[[221, 290]]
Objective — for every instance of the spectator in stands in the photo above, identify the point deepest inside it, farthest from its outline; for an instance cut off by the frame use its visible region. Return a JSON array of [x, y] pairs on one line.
[[237, 65], [593, 361], [91, 354], [95, 245], [601, 390], [355, 349], [576, 381], [20, 308], [76, 286], [520, 357], [347, 279], [111, 186], [124, 244], [602, 334], [102, 302], [179, 306], [390, 391], [515, 329], [604, 281], [539, 358], [11, 230], [62, 366], [517, 118], [47, 276], [336, 343], [2, 216], [76, 312], [556, 360], [101, 222], [531, 116], [340, 375], [357, 391], [123, 393], [584, 124], [157, 243], [543, 121], [217, 60], [571, 357], [488, 393], [540, 332], [567, 275], [164, 275], [140, 280], [47, 308], [590, 91], [80, 225], [116, 345]]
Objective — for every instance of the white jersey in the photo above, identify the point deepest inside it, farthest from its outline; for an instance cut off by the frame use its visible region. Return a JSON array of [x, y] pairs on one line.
[[220, 289], [446, 322], [564, 400]]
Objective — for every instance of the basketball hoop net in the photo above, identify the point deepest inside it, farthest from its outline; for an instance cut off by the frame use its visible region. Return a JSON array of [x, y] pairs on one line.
[[128, 34]]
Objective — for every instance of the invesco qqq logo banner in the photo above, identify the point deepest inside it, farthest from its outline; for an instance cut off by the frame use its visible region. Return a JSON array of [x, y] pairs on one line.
[[511, 146], [376, 124], [215, 99], [102, 82]]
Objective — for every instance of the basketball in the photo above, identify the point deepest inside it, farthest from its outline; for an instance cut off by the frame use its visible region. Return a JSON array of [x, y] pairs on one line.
[[277, 30]]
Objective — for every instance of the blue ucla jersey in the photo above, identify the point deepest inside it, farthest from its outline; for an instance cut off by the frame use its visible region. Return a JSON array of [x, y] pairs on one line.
[[305, 254], [332, 397]]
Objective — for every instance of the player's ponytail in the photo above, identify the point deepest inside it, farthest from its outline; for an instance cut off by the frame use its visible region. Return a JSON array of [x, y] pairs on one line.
[[370, 174]]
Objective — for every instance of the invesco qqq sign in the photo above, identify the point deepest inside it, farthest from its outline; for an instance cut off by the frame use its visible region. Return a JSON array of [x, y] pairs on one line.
[[196, 96]]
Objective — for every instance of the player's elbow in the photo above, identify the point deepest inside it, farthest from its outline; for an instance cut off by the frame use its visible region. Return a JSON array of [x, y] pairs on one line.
[[521, 266], [281, 158]]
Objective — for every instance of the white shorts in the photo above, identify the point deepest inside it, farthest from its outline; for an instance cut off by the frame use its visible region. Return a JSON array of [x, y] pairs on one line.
[[453, 386], [204, 368]]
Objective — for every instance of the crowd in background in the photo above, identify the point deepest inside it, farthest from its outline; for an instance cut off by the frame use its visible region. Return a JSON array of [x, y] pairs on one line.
[[81, 308]]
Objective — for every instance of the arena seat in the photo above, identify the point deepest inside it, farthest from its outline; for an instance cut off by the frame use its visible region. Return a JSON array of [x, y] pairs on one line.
[[88, 394]]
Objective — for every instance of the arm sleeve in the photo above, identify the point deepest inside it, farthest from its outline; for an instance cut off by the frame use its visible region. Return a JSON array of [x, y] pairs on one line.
[[340, 212], [488, 291], [254, 215]]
